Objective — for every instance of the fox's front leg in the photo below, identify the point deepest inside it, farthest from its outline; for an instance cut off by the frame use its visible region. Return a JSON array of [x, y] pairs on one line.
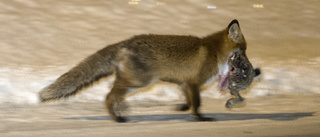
[[186, 106], [194, 94], [235, 101]]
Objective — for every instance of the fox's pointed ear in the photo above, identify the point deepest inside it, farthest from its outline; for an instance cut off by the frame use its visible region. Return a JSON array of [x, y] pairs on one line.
[[234, 31]]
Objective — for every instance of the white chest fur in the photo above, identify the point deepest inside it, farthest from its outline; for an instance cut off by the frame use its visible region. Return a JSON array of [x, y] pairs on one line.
[[223, 70]]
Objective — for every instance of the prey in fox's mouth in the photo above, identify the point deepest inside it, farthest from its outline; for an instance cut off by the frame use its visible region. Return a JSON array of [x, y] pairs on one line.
[[240, 77]]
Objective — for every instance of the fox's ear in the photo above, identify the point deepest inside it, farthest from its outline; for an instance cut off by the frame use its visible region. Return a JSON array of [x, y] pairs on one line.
[[234, 31]]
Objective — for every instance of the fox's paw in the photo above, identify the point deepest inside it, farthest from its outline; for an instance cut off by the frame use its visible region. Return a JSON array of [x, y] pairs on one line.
[[199, 117], [235, 102], [120, 119], [182, 107]]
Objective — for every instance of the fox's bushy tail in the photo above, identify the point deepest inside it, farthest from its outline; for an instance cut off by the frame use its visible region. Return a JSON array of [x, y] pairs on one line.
[[96, 66]]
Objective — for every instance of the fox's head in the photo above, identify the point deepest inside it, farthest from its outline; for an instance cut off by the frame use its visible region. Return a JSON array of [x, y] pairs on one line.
[[241, 72], [235, 37], [235, 41]]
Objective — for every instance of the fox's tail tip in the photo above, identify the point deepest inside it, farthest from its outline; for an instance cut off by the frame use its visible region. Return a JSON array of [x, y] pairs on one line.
[[42, 98], [45, 96]]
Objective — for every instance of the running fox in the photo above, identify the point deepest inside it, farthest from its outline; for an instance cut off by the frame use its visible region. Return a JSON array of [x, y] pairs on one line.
[[143, 60]]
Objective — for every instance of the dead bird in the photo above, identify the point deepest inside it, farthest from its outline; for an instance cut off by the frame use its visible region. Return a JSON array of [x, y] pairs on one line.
[[240, 77]]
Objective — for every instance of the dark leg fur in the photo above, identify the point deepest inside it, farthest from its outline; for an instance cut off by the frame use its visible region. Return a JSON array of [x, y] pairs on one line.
[[114, 100], [194, 93], [113, 103], [184, 107]]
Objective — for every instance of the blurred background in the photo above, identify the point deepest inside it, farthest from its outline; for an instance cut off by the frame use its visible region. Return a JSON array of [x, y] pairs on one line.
[[42, 39]]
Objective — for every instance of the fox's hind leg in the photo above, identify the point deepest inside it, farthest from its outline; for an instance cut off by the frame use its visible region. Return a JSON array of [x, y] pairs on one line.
[[113, 102], [130, 78]]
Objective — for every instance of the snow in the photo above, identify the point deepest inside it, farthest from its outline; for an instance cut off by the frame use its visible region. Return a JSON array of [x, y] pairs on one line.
[[21, 84]]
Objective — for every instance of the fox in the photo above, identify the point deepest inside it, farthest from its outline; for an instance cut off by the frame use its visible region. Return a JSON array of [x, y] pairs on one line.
[[143, 60]]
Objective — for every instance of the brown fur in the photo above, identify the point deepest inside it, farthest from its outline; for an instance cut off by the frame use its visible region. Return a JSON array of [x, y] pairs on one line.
[[145, 59]]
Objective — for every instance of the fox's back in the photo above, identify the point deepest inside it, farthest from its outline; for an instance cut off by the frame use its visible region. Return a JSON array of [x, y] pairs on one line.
[[166, 56]]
